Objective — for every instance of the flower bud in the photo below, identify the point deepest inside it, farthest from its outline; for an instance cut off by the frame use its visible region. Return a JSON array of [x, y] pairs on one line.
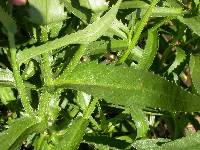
[[19, 2]]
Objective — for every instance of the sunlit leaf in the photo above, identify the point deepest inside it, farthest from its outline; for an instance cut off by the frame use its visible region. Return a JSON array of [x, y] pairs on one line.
[[193, 23], [150, 50], [129, 86], [13, 137], [91, 33], [44, 12]]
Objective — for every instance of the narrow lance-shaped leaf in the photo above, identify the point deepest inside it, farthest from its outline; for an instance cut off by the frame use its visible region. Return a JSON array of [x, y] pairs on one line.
[[91, 33], [150, 50], [73, 7], [73, 135], [180, 57], [6, 95], [6, 78], [133, 4], [157, 12], [7, 21], [140, 120], [150, 144], [13, 137], [103, 142], [129, 86], [166, 12], [75, 132], [193, 23], [188, 142], [195, 71]]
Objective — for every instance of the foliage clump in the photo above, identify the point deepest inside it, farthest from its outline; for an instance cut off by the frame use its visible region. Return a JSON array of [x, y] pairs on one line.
[[99, 74]]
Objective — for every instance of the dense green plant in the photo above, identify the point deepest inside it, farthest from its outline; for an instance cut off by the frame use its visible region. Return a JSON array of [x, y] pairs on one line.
[[97, 74]]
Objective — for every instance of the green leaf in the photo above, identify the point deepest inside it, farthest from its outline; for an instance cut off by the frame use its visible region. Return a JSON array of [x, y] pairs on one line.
[[157, 12], [74, 135], [149, 144], [7, 21], [82, 100], [129, 86], [29, 71], [173, 3], [55, 29], [91, 33], [150, 50], [101, 47], [6, 78], [167, 12], [140, 120], [13, 137], [44, 12], [193, 23], [117, 28], [195, 71], [6, 95], [101, 141], [133, 4], [189, 142], [73, 7], [94, 5], [180, 57]]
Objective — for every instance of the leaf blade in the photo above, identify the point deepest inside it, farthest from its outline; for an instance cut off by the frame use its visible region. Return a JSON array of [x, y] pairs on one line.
[[13, 137], [150, 50], [91, 33], [129, 86], [194, 71], [74, 134]]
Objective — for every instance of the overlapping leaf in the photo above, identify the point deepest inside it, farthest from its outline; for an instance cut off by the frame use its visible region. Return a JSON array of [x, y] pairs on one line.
[[185, 143], [13, 137], [193, 23], [195, 71], [91, 33], [180, 57], [74, 134], [128, 86], [44, 12], [150, 50], [7, 21], [6, 78]]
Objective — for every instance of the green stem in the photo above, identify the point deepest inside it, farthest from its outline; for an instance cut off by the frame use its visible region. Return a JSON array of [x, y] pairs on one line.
[[44, 99], [138, 31], [46, 70], [47, 77], [18, 80], [46, 64]]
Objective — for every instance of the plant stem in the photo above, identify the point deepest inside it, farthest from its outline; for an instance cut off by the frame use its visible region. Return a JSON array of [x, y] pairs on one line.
[[18, 80], [44, 99], [46, 64], [46, 70], [47, 77], [138, 31]]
